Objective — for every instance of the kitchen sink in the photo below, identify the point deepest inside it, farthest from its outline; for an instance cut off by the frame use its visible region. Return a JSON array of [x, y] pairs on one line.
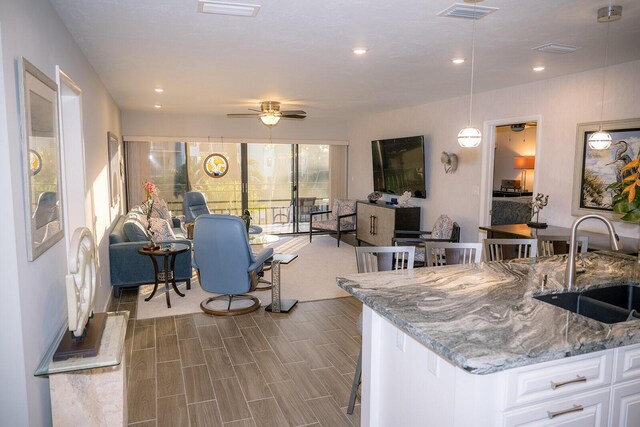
[[611, 304]]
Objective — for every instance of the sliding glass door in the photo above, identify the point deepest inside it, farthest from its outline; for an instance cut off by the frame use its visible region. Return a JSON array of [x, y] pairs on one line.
[[223, 190], [313, 182], [269, 180], [280, 184]]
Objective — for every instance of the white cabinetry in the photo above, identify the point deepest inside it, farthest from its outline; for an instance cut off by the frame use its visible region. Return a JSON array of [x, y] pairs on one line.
[[405, 383]]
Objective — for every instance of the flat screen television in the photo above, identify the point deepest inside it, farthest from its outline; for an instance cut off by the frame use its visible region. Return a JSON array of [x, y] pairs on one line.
[[399, 166]]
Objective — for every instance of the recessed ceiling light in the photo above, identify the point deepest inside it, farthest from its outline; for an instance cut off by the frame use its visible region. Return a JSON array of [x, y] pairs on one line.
[[159, 90], [539, 68], [457, 60], [360, 50], [224, 8], [157, 106]]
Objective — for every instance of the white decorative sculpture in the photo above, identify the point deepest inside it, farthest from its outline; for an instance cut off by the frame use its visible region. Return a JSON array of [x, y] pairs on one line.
[[450, 162], [404, 199], [81, 280]]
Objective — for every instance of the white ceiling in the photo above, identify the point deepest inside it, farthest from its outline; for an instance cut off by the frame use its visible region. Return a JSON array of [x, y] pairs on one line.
[[299, 52]]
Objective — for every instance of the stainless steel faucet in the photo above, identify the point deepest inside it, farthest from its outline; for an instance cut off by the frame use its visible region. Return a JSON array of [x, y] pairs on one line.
[[570, 272]]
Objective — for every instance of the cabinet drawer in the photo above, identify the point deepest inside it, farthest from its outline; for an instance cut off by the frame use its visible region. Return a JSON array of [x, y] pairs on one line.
[[627, 363], [582, 410], [625, 405], [558, 378]]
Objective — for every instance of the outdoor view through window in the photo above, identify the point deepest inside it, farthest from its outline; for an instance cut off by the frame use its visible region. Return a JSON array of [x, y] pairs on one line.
[[280, 184]]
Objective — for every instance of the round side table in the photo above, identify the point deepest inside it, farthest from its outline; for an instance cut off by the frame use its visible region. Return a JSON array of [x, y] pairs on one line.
[[168, 253]]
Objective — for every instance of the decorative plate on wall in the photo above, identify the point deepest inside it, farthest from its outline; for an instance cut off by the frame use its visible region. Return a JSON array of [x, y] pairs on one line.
[[35, 162], [216, 165]]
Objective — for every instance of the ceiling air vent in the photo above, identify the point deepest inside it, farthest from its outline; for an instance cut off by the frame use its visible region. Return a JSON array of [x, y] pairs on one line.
[[556, 48], [467, 11], [224, 8]]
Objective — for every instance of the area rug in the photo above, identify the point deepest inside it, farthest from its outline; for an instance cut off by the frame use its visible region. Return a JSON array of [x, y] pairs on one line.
[[310, 277]]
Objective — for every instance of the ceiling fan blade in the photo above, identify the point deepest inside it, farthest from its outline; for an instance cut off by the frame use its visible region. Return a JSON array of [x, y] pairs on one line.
[[290, 112], [294, 116], [253, 109], [242, 115]]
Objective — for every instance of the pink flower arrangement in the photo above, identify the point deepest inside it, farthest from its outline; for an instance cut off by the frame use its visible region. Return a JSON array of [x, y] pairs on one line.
[[149, 189]]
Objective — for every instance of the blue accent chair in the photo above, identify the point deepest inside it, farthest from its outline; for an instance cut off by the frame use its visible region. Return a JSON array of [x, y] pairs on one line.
[[194, 204], [46, 209], [225, 263]]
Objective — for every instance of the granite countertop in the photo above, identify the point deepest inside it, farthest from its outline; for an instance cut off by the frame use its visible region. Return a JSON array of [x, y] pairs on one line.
[[483, 318]]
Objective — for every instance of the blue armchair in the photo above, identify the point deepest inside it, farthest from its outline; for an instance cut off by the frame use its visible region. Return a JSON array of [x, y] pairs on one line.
[[225, 264], [194, 204]]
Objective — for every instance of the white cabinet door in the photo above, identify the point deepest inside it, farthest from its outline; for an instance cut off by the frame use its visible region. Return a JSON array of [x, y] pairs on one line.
[[582, 410], [625, 406], [627, 363]]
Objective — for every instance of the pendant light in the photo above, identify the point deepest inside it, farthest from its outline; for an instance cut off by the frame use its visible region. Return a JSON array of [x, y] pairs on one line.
[[470, 136], [601, 140]]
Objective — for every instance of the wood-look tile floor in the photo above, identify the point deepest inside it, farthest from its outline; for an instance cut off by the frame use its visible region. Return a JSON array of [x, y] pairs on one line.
[[259, 369]]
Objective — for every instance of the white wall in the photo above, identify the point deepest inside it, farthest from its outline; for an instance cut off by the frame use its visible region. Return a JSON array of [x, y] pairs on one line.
[[157, 123], [33, 302], [561, 103]]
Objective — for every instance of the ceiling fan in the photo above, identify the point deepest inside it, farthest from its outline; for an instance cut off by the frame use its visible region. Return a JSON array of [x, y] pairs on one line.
[[270, 114]]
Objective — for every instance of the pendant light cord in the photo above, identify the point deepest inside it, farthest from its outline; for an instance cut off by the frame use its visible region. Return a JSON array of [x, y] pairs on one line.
[[473, 55], [604, 73]]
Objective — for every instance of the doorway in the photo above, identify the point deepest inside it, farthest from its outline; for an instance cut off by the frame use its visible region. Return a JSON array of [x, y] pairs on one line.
[[78, 209], [509, 168]]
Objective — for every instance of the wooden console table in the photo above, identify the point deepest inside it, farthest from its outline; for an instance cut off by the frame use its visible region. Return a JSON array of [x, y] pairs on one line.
[[377, 222]]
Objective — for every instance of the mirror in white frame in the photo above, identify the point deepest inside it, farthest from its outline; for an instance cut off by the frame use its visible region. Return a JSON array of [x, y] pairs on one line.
[[41, 159]]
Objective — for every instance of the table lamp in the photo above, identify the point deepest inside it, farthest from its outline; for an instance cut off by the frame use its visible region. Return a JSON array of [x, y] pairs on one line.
[[524, 163]]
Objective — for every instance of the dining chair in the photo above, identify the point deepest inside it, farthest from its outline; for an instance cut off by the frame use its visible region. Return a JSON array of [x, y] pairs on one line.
[[558, 245], [444, 230], [504, 249], [446, 253], [371, 259]]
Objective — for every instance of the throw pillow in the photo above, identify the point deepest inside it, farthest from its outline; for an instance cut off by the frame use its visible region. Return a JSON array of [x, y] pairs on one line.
[[161, 210], [347, 207], [442, 228], [133, 228], [161, 229]]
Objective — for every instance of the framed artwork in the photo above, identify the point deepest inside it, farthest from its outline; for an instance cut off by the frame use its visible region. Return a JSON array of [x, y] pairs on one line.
[[595, 170], [41, 159], [35, 162], [115, 168], [216, 165]]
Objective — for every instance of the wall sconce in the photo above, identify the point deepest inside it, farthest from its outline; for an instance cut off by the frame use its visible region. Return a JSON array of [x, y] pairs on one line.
[[524, 163], [450, 162]]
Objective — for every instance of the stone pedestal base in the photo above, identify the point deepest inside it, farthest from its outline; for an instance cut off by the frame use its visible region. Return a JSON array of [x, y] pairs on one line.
[[93, 397]]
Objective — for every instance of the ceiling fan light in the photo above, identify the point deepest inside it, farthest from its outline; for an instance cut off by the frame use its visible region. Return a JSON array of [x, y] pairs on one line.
[[600, 140], [270, 119], [469, 137]]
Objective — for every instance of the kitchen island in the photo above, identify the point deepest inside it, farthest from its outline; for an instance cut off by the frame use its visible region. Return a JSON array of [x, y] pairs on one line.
[[470, 346]]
